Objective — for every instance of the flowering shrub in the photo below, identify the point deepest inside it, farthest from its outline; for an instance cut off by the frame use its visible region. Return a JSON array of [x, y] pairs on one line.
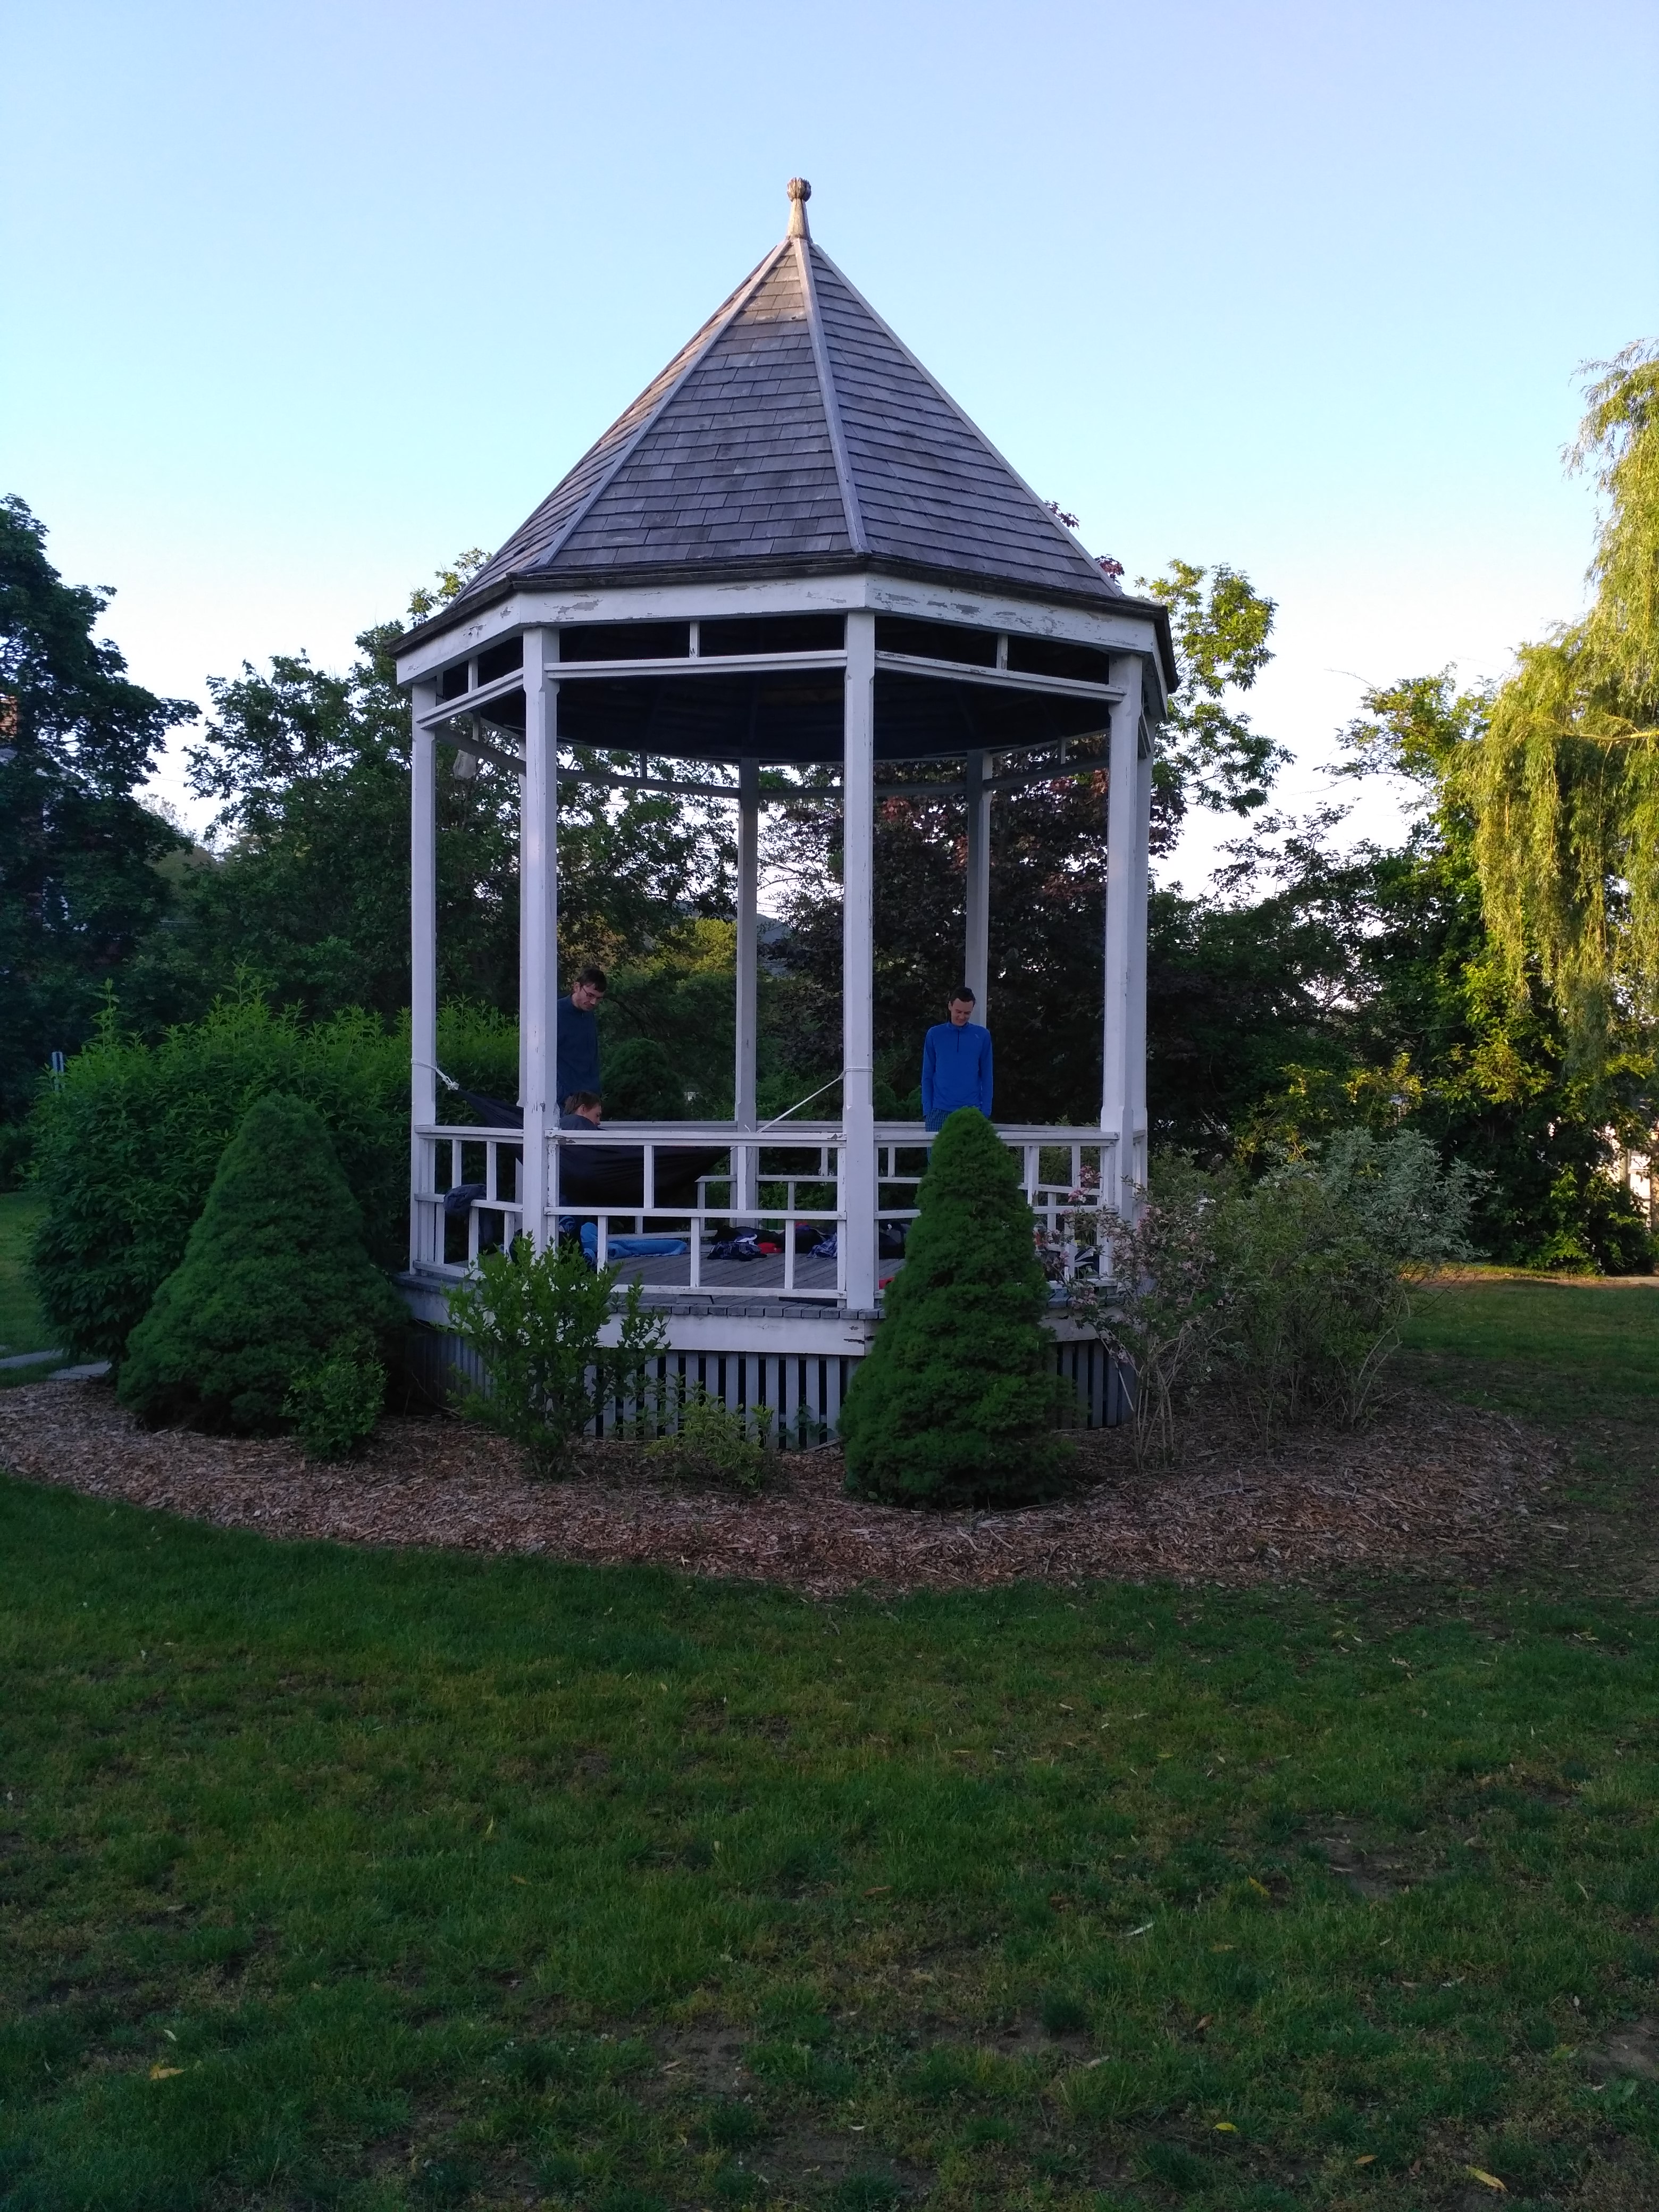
[[1161, 1309]]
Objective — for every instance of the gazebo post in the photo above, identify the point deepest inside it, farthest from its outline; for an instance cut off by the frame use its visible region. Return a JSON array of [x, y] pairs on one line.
[[538, 929], [977, 966], [858, 1171], [1126, 861], [1140, 880], [746, 1193], [423, 953]]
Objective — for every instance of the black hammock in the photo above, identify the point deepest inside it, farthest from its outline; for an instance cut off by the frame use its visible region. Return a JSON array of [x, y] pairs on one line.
[[603, 1175]]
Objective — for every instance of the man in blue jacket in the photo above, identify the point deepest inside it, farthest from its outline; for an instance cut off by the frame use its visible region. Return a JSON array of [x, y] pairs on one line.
[[578, 1046], [956, 1063]]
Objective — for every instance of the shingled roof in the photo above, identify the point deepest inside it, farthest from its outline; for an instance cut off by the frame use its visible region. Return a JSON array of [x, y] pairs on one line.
[[794, 434]]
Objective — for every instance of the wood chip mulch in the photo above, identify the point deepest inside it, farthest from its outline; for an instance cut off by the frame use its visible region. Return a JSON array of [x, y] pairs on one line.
[[1425, 1483]]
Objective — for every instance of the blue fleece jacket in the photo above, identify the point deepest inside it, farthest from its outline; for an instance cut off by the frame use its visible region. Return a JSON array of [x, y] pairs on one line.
[[956, 1070], [578, 1051]]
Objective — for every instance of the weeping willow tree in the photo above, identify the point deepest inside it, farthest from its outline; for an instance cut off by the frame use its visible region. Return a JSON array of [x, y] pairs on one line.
[[1565, 785]]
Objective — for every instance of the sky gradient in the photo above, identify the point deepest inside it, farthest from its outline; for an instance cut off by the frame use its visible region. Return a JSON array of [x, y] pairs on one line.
[[306, 299]]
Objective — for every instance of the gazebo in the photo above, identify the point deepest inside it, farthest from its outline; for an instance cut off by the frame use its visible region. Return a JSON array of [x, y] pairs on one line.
[[793, 550]]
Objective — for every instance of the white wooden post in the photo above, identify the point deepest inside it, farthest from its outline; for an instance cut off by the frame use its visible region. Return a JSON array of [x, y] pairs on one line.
[[422, 962], [1126, 907], [976, 969], [538, 929], [1141, 880], [746, 1193], [858, 1177]]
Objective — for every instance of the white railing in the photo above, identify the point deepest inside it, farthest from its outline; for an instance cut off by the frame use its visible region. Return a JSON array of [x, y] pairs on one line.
[[1069, 1176], [787, 1186]]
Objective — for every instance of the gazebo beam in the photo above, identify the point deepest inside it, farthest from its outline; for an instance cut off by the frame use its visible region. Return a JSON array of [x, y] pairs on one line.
[[744, 1111], [857, 1173]]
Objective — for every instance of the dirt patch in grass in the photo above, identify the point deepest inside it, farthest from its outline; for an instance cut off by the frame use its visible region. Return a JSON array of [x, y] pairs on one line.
[[1427, 1483]]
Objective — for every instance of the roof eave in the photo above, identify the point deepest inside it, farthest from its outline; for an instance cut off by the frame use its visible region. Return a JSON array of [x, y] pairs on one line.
[[841, 564]]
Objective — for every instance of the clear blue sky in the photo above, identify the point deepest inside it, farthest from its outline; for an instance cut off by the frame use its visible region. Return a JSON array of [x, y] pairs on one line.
[[304, 299]]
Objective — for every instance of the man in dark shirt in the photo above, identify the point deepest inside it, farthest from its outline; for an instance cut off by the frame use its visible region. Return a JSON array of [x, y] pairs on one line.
[[578, 1044], [956, 1064]]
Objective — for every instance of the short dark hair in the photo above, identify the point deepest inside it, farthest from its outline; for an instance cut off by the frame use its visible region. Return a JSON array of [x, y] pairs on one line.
[[591, 975], [964, 991], [580, 1101]]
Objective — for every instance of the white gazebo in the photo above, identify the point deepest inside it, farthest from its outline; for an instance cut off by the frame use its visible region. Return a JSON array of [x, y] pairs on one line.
[[793, 550]]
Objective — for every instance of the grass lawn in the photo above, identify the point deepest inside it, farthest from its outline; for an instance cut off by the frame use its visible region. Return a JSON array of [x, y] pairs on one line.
[[362, 1880]]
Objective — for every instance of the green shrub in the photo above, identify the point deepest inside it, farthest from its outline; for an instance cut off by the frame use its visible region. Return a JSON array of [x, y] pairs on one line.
[[1405, 1202], [334, 1402], [1297, 1284], [1314, 1307], [535, 1322], [951, 1404], [273, 1275], [125, 1149], [712, 1443]]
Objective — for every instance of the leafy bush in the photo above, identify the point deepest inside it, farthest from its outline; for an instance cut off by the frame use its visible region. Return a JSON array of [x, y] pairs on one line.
[[1295, 1284], [1317, 1257], [712, 1443], [273, 1275], [1314, 1307], [1403, 1199], [535, 1320], [335, 1403], [950, 1406], [127, 1148]]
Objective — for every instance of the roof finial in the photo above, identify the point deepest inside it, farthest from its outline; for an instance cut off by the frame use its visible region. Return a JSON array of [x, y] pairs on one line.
[[799, 192]]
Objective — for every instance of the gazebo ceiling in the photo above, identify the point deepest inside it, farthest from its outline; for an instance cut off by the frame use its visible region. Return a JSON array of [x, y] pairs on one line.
[[795, 717], [794, 434]]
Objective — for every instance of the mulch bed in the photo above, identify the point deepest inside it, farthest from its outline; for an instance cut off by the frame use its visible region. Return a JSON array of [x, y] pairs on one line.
[[1425, 1483]]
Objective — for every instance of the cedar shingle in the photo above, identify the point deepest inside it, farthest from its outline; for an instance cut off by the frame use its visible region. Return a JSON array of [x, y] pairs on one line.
[[729, 454]]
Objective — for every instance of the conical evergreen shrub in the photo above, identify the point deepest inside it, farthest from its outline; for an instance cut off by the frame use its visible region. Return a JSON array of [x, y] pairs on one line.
[[950, 1406], [274, 1275]]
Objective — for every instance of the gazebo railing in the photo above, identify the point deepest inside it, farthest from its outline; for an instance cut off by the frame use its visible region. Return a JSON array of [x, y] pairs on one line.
[[1069, 1176], [790, 1186], [789, 1183]]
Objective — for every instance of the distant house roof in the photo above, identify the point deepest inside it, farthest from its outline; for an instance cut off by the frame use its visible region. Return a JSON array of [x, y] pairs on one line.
[[794, 434]]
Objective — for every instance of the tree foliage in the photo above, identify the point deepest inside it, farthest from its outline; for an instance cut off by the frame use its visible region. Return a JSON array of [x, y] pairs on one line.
[[1565, 784], [78, 852], [310, 902], [1208, 753], [1485, 1057]]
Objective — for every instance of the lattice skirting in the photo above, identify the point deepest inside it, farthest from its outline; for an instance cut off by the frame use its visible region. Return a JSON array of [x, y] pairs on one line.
[[803, 1391]]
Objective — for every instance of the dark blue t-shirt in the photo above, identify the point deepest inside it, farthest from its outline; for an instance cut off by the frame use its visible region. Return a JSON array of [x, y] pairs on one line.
[[578, 1060]]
